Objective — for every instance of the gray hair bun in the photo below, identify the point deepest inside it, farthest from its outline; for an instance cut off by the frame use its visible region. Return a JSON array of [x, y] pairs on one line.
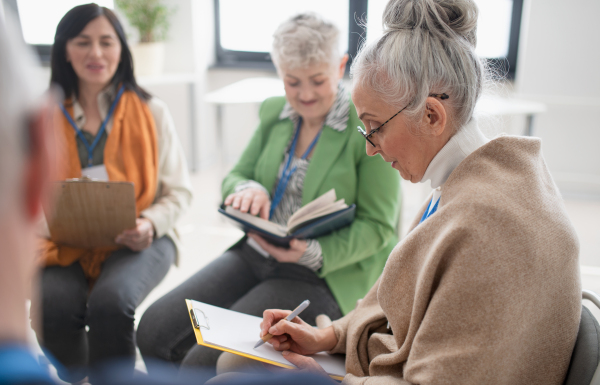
[[444, 18], [428, 47]]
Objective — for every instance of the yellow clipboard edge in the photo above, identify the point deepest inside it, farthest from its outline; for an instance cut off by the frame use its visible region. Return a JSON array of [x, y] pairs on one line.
[[201, 342]]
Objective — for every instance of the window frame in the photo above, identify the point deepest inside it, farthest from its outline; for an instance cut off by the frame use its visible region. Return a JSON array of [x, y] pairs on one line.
[[505, 66], [262, 60], [44, 51]]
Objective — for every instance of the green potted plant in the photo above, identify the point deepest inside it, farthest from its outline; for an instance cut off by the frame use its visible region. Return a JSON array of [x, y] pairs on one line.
[[151, 19]]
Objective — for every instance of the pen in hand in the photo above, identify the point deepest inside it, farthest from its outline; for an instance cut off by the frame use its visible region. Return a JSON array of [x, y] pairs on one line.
[[290, 317]]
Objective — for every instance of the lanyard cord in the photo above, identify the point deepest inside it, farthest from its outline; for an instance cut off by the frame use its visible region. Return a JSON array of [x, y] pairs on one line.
[[90, 148], [428, 212], [287, 172]]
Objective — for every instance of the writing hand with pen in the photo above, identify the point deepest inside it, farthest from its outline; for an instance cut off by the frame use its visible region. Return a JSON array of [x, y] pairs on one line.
[[296, 339]]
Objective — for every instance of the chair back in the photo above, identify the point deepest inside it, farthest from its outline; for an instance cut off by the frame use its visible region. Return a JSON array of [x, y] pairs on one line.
[[583, 369]]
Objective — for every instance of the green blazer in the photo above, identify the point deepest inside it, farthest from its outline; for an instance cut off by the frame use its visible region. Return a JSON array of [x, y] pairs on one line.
[[354, 256]]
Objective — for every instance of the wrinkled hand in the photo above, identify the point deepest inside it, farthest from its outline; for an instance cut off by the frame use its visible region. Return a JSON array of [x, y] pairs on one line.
[[252, 200], [295, 335], [138, 238], [291, 255]]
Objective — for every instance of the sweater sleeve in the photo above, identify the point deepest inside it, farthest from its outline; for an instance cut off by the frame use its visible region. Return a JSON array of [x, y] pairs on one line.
[[243, 171], [174, 192], [340, 328], [250, 184], [379, 380]]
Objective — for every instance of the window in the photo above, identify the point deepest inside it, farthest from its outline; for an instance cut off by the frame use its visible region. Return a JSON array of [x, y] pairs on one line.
[[498, 30], [39, 18], [244, 29], [244, 32]]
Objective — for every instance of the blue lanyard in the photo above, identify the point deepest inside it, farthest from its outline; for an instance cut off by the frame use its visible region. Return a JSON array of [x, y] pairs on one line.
[[287, 172], [428, 213], [90, 148]]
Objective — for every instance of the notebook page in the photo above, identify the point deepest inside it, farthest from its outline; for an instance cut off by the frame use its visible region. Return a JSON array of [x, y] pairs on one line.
[[240, 332], [323, 201], [332, 208], [271, 227]]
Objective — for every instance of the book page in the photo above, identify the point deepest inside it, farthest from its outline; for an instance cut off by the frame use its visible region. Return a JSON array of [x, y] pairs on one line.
[[240, 332], [323, 211], [258, 222], [323, 201]]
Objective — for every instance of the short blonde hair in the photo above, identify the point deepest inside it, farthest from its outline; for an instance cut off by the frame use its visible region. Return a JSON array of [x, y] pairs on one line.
[[304, 40]]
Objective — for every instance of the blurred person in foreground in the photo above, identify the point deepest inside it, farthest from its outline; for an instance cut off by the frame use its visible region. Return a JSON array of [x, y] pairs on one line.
[[305, 145], [485, 288], [109, 124], [25, 172], [26, 150]]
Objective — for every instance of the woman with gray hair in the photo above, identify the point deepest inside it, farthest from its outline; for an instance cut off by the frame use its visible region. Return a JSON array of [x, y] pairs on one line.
[[485, 288], [304, 146]]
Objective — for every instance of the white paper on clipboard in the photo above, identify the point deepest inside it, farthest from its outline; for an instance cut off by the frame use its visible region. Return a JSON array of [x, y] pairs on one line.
[[238, 333], [95, 173]]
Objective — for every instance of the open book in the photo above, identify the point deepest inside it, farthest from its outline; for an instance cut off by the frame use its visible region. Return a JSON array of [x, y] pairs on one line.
[[317, 218]]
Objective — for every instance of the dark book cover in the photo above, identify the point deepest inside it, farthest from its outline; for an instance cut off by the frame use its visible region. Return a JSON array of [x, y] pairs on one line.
[[307, 230]]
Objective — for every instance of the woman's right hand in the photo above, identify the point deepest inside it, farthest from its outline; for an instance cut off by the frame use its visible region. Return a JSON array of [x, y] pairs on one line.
[[295, 335], [253, 200]]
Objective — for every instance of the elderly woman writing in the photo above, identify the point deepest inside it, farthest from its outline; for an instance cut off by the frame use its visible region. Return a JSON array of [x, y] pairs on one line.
[[308, 140], [485, 287]]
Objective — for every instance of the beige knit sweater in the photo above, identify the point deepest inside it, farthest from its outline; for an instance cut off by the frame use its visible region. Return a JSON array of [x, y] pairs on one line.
[[485, 291]]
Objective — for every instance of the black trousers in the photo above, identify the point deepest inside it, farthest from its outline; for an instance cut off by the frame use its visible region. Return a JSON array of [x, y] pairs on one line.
[[242, 280], [107, 310]]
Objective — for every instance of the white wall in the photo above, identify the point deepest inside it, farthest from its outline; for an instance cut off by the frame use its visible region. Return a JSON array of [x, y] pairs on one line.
[[558, 65], [559, 52]]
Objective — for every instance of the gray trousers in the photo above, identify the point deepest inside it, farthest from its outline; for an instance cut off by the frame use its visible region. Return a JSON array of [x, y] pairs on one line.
[[242, 280], [69, 306]]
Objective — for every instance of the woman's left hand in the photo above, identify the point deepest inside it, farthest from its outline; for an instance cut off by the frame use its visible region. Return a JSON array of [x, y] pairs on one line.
[[138, 238], [291, 255], [304, 363]]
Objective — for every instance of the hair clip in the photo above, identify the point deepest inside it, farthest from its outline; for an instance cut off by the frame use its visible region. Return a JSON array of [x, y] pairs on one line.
[[443, 96]]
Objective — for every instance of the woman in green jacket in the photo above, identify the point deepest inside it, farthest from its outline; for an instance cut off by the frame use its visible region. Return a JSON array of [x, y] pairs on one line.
[[315, 124]]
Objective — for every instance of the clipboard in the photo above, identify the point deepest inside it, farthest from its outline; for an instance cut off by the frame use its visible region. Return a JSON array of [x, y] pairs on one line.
[[90, 214], [237, 333]]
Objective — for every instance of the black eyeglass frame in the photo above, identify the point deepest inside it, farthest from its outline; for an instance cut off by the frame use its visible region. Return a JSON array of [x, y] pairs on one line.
[[367, 136]]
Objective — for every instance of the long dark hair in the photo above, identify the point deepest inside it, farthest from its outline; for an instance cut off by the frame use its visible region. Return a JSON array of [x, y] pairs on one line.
[[69, 27]]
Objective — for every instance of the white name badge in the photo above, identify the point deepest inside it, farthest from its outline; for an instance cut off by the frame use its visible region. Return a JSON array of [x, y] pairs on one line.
[[96, 173]]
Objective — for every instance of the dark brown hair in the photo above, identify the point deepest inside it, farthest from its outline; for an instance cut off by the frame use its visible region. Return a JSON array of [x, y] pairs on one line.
[[70, 26]]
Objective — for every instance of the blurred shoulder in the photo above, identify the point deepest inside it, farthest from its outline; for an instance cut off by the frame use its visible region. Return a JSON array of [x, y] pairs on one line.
[[158, 108], [272, 106], [163, 121], [353, 120]]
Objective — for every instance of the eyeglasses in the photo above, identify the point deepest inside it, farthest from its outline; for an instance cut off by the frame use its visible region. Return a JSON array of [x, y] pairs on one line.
[[367, 136]]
